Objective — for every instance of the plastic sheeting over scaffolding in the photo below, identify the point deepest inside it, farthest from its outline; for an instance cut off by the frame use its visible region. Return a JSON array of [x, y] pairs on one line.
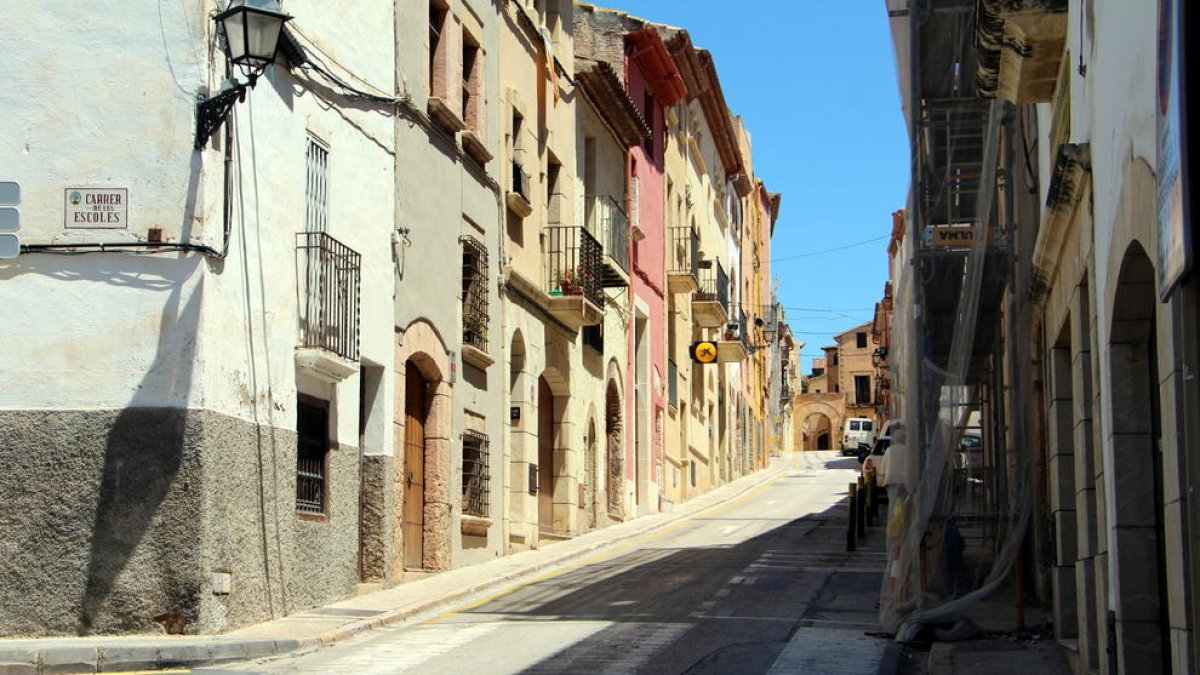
[[960, 469]]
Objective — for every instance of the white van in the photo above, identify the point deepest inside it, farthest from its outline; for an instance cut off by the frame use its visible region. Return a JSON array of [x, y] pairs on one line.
[[857, 431]]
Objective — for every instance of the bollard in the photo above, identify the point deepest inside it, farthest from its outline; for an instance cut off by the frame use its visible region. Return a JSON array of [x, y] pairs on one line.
[[860, 521], [850, 526], [870, 483]]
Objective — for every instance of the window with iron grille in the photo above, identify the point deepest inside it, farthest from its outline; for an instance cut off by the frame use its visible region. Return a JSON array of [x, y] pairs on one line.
[[474, 293], [316, 188], [312, 453], [475, 474]]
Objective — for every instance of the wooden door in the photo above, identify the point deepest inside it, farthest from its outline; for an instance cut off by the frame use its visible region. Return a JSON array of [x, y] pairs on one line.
[[545, 457], [413, 513]]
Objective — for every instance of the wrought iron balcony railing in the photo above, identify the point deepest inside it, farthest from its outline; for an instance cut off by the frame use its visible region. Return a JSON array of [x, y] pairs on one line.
[[330, 274], [684, 253], [714, 284], [573, 263], [607, 220]]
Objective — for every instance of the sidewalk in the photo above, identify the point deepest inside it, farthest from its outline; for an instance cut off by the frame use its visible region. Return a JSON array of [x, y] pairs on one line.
[[326, 625], [1000, 649]]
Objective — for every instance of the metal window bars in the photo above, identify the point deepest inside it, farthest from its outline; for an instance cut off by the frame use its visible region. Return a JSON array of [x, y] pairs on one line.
[[475, 474], [684, 252], [714, 283], [474, 293], [606, 220], [312, 430], [316, 187], [573, 263], [330, 274]]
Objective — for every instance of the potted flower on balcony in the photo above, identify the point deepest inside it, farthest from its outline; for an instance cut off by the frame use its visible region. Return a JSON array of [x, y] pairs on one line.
[[567, 282]]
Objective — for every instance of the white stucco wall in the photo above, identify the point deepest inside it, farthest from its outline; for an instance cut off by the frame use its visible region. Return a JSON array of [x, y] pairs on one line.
[[114, 106], [98, 107], [1112, 108]]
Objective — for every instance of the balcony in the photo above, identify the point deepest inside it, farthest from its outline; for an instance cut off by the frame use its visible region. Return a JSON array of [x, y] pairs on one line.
[[573, 272], [735, 343], [607, 221], [1020, 45], [519, 191], [710, 303], [329, 273], [683, 261]]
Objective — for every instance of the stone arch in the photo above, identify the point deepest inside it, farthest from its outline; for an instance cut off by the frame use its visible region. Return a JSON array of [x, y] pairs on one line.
[[614, 433], [422, 346], [591, 474], [520, 438], [1138, 528], [830, 406]]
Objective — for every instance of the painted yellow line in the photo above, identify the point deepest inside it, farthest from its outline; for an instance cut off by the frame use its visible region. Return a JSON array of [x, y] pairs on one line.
[[607, 553], [142, 672]]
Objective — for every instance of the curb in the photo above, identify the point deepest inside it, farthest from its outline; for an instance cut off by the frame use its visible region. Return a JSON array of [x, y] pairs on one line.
[[157, 654]]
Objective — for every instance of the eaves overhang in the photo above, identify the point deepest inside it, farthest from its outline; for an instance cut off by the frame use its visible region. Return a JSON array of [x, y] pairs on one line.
[[656, 63], [712, 101], [687, 62], [604, 89]]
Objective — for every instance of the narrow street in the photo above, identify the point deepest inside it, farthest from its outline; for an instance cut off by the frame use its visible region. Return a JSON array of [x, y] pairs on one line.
[[723, 592]]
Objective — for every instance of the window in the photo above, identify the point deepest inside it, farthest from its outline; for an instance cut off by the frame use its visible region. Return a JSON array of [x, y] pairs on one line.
[[862, 389], [855, 425], [438, 86], [474, 293], [860, 340], [312, 453], [316, 187], [475, 474], [868, 425], [473, 113]]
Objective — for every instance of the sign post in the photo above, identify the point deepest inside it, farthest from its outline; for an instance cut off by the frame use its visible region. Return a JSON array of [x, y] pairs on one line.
[[10, 219]]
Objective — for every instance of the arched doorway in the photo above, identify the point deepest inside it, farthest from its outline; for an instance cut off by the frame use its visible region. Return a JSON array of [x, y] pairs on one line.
[[818, 432], [614, 449], [519, 435], [1142, 602], [545, 467], [588, 493], [416, 411]]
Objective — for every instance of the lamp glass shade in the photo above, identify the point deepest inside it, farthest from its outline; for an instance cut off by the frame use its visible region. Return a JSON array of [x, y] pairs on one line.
[[252, 31]]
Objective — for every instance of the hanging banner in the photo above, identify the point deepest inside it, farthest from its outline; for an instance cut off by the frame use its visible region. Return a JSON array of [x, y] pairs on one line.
[[1174, 237]]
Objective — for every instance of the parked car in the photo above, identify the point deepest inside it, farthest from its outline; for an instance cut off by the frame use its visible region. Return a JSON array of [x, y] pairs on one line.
[[970, 452], [876, 458], [857, 431]]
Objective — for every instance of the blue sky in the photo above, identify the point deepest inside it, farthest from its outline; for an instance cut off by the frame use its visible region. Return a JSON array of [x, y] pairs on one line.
[[815, 82]]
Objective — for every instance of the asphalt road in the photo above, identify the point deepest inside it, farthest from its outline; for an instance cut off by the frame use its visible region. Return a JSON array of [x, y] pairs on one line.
[[723, 592]]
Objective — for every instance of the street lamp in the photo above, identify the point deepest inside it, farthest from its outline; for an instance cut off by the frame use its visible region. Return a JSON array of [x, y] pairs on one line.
[[250, 30], [879, 356]]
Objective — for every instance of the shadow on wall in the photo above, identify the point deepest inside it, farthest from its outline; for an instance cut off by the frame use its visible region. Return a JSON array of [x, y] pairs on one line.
[[132, 578]]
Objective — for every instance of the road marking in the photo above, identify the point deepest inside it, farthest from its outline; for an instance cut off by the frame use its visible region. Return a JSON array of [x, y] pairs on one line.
[[666, 529]]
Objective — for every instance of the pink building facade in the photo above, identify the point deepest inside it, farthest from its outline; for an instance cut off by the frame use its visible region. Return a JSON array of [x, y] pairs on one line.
[[654, 85]]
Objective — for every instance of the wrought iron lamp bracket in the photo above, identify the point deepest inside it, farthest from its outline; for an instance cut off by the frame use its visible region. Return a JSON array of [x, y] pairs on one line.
[[213, 111]]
